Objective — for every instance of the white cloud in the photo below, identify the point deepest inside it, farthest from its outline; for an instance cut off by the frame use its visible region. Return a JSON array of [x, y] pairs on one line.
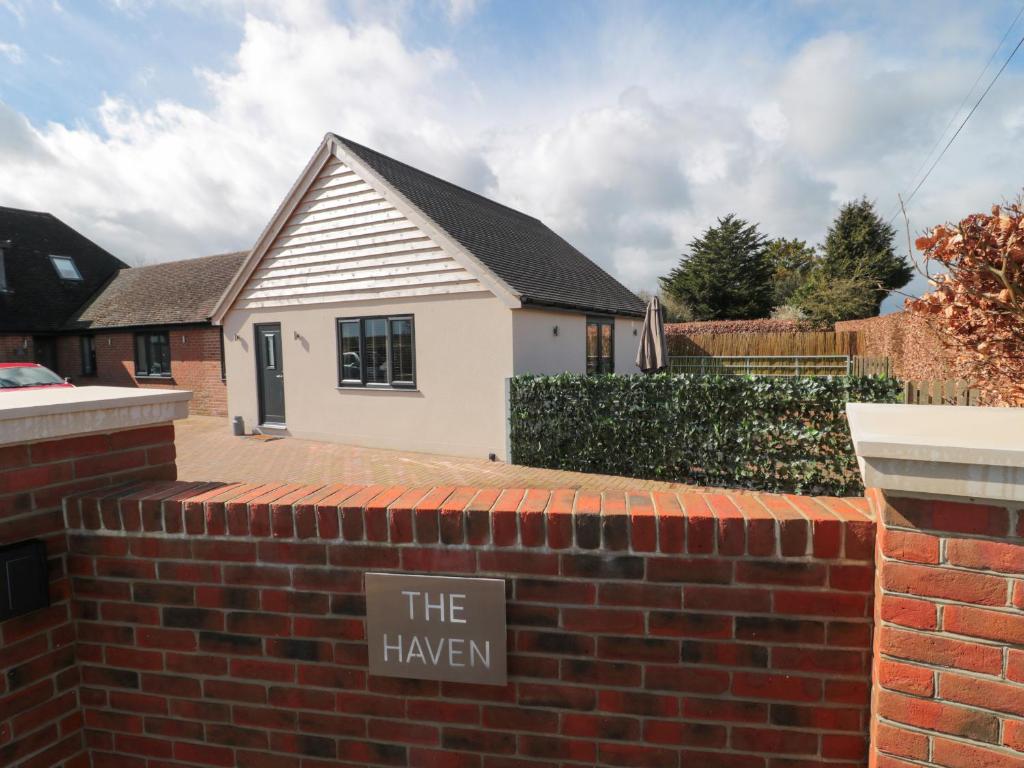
[[628, 168], [173, 181], [460, 10], [14, 8], [12, 52]]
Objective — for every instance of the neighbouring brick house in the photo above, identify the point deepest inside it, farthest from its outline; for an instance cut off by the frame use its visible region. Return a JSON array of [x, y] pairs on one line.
[[47, 272], [70, 305], [150, 327]]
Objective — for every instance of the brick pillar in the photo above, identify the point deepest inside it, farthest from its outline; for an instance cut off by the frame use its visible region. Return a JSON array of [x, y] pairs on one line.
[[50, 447], [948, 668], [949, 665]]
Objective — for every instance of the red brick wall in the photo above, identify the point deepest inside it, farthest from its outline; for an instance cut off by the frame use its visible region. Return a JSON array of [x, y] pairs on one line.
[[949, 668], [13, 349], [40, 715], [645, 630], [195, 365]]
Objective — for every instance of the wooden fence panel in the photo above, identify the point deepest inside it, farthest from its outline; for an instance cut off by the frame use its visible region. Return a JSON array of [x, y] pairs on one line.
[[947, 392], [791, 344], [761, 365], [870, 366]]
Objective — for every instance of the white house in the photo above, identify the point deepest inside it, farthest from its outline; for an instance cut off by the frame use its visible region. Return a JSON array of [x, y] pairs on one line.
[[383, 306]]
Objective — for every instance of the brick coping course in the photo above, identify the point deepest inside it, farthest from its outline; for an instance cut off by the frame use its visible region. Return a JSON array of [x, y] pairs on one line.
[[730, 524]]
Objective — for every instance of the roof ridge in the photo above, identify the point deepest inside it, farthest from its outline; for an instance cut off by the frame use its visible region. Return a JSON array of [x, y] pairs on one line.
[[538, 264], [353, 144], [185, 261], [28, 211]]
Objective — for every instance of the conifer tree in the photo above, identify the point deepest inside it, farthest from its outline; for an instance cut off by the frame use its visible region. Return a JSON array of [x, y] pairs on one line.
[[726, 275]]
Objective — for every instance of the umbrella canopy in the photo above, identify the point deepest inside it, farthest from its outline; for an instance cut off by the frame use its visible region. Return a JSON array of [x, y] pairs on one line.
[[652, 355]]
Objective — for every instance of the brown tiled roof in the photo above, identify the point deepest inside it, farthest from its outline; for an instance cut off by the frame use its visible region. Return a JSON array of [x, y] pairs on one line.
[[172, 293]]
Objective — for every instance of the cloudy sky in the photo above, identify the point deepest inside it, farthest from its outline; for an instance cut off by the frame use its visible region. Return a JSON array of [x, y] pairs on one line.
[[167, 130]]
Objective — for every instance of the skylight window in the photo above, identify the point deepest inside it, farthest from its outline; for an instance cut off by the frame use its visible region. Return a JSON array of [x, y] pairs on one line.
[[66, 268]]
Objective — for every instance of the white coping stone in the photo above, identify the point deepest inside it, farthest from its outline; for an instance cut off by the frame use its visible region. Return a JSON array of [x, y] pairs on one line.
[[947, 450], [45, 414]]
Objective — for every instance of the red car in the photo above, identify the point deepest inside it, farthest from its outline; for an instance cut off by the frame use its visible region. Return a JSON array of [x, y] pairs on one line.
[[29, 376]]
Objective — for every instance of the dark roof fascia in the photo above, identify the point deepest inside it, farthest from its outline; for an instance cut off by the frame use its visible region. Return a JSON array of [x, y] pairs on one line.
[[529, 303], [29, 331], [108, 329]]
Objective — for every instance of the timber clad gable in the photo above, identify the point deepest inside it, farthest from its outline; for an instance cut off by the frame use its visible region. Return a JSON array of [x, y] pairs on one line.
[[345, 242]]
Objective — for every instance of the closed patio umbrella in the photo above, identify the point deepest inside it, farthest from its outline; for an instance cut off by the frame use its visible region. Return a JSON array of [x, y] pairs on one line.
[[652, 356]]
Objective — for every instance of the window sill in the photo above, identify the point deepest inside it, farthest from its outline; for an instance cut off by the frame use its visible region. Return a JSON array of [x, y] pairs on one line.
[[154, 377], [381, 388]]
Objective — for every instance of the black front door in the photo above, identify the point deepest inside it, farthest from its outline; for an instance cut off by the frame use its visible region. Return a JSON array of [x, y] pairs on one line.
[[270, 373], [45, 348]]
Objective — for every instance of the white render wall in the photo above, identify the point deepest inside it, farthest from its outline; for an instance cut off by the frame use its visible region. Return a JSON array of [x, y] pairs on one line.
[[463, 356], [345, 242], [536, 348]]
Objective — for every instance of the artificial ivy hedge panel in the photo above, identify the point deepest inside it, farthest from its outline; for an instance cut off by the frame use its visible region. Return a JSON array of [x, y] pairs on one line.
[[758, 432]]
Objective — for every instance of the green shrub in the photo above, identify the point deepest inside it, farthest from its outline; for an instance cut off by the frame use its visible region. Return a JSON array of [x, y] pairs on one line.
[[757, 432]]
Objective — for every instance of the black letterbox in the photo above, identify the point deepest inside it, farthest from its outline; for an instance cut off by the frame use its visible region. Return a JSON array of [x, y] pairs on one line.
[[24, 583]]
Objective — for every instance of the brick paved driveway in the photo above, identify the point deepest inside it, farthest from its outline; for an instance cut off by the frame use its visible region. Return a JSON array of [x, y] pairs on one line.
[[208, 451]]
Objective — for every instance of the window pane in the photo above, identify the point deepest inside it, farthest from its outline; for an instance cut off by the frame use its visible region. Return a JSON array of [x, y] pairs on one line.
[[65, 267], [88, 356], [269, 358], [607, 361], [351, 365], [401, 351], [592, 347], [162, 353], [153, 353], [376, 349], [141, 359]]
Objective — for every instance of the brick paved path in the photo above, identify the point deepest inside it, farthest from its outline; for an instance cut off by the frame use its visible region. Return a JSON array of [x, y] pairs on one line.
[[208, 451]]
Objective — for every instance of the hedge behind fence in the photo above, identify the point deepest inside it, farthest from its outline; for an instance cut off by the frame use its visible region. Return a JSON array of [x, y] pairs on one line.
[[758, 432]]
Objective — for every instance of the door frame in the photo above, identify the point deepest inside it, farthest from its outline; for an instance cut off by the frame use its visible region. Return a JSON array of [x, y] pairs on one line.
[[258, 353]]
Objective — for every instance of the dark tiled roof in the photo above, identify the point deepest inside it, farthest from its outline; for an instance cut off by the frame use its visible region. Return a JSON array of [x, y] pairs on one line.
[[519, 249], [172, 293], [37, 300]]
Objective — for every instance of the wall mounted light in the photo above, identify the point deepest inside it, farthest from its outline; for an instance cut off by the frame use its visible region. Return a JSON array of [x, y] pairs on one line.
[[554, 331], [297, 336]]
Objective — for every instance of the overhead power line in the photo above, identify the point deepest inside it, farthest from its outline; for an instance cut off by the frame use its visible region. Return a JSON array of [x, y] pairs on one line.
[[969, 114], [970, 91]]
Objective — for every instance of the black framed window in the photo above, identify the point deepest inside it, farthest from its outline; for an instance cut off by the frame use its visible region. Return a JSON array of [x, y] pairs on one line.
[[153, 354], [600, 345], [88, 348], [377, 352]]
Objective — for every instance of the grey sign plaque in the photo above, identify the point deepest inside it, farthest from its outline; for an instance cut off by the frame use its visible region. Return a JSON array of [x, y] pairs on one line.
[[436, 627]]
